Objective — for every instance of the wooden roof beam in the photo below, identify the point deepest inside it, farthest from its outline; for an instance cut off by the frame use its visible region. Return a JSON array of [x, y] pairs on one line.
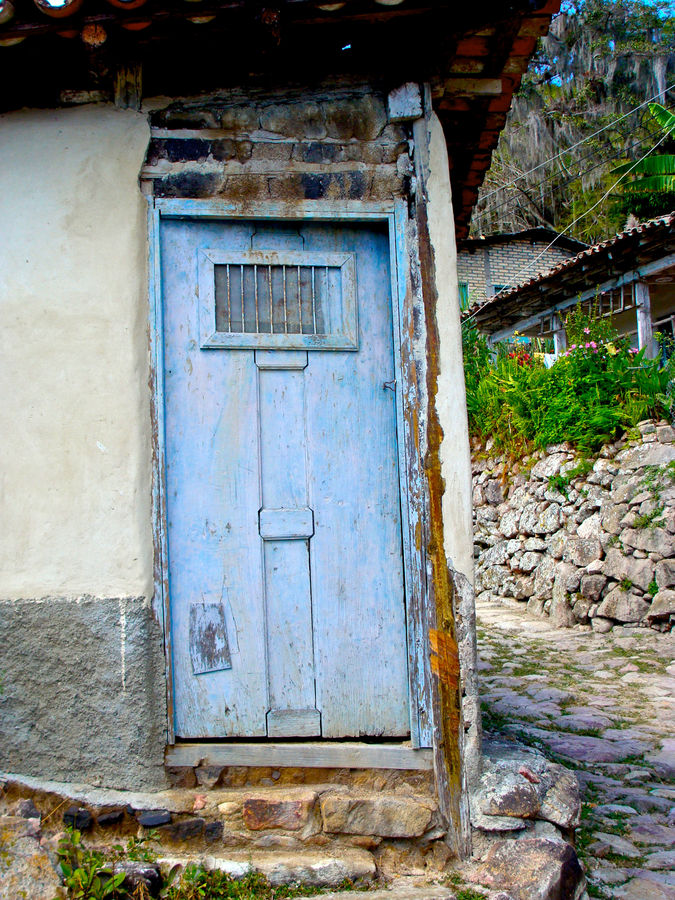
[[473, 87]]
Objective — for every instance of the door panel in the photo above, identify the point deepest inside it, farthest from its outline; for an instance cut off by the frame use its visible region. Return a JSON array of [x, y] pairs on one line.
[[361, 644], [283, 506]]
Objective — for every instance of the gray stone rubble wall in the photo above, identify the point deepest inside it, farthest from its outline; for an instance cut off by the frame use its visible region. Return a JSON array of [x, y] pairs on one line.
[[325, 143], [596, 553]]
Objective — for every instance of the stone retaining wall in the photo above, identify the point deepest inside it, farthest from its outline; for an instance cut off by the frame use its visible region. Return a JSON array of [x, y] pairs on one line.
[[590, 543]]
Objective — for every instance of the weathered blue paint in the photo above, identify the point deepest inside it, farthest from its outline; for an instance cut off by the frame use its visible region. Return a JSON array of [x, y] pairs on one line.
[[303, 721], [160, 600], [412, 485]]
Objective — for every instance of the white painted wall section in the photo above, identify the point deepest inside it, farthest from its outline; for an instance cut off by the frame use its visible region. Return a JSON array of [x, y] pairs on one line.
[[451, 397], [74, 422]]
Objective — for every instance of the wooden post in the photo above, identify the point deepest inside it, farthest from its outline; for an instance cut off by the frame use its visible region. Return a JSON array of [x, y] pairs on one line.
[[559, 336], [644, 319], [446, 700], [128, 86]]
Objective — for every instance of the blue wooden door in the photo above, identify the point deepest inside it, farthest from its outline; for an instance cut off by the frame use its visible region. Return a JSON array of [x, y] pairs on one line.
[[283, 501]]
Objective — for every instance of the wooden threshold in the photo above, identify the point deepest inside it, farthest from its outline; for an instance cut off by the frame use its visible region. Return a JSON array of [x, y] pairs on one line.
[[349, 755]]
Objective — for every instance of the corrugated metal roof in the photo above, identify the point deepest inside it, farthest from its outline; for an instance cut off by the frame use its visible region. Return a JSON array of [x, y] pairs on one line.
[[595, 265]]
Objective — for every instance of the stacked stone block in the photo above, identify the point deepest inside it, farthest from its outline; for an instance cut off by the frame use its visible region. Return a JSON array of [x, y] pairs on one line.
[[262, 147], [597, 552]]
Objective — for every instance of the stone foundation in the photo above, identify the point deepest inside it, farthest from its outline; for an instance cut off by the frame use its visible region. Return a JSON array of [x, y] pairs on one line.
[[387, 822], [590, 543], [315, 827]]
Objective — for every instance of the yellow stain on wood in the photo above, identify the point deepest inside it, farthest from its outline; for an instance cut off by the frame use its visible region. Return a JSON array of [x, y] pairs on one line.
[[444, 657]]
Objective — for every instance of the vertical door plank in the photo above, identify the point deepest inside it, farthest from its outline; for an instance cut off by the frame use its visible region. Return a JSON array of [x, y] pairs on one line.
[[289, 625], [290, 646], [213, 496], [357, 567]]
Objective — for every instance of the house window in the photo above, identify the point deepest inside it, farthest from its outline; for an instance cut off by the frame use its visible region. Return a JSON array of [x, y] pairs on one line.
[[666, 328], [463, 295], [496, 288], [277, 300]]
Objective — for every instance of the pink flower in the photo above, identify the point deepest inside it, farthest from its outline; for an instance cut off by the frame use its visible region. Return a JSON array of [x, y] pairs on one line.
[[633, 350], [587, 330], [587, 346], [595, 351], [573, 347], [593, 345]]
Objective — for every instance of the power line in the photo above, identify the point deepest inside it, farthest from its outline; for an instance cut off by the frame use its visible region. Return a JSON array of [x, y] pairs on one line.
[[571, 225], [578, 143], [576, 162]]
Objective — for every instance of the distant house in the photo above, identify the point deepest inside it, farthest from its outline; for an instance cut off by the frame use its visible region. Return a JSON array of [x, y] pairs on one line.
[[488, 265], [630, 277]]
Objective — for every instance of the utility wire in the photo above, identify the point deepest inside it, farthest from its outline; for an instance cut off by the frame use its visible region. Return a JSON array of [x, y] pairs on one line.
[[515, 197], [578, 143], [581, 159], [571, 225]]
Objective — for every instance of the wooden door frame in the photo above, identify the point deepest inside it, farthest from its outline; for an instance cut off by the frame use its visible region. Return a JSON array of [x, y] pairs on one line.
[[408, 398]]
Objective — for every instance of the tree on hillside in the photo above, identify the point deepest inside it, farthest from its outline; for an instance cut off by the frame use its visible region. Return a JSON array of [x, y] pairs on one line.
[[601, 60]]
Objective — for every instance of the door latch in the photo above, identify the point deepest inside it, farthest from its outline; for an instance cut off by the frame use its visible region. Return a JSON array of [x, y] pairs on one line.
[[390, 386]]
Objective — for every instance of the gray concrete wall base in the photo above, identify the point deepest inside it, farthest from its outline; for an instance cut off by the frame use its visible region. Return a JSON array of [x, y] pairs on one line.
[[83, 693]]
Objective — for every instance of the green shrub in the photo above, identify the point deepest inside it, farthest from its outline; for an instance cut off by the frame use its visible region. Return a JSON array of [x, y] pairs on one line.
[[593, 392]]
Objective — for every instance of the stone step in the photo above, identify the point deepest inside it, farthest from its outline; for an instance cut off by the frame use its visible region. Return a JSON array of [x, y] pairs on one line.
[[245, 817], [316, 868], [401, 889]]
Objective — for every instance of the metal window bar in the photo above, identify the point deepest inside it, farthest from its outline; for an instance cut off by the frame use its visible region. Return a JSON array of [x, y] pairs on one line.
[[229, 301], [283, 278], [299, 302], [269, 287], [243, 314], [311, 283], [313, 300]]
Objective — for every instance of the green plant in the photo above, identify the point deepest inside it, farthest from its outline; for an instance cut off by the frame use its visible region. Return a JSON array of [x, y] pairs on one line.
[[625, 584], [652, 588], [597, 390], [86, 874], [651, 173], [561, 482], [649, 519], [90, 875], [197, 883], [468, 893]]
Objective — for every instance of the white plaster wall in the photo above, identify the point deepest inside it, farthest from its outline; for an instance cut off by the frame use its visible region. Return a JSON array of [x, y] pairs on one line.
[[451, 397], [75, 501]]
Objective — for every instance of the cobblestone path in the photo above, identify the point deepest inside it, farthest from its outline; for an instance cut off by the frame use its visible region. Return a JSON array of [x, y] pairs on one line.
[[603, 705]]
